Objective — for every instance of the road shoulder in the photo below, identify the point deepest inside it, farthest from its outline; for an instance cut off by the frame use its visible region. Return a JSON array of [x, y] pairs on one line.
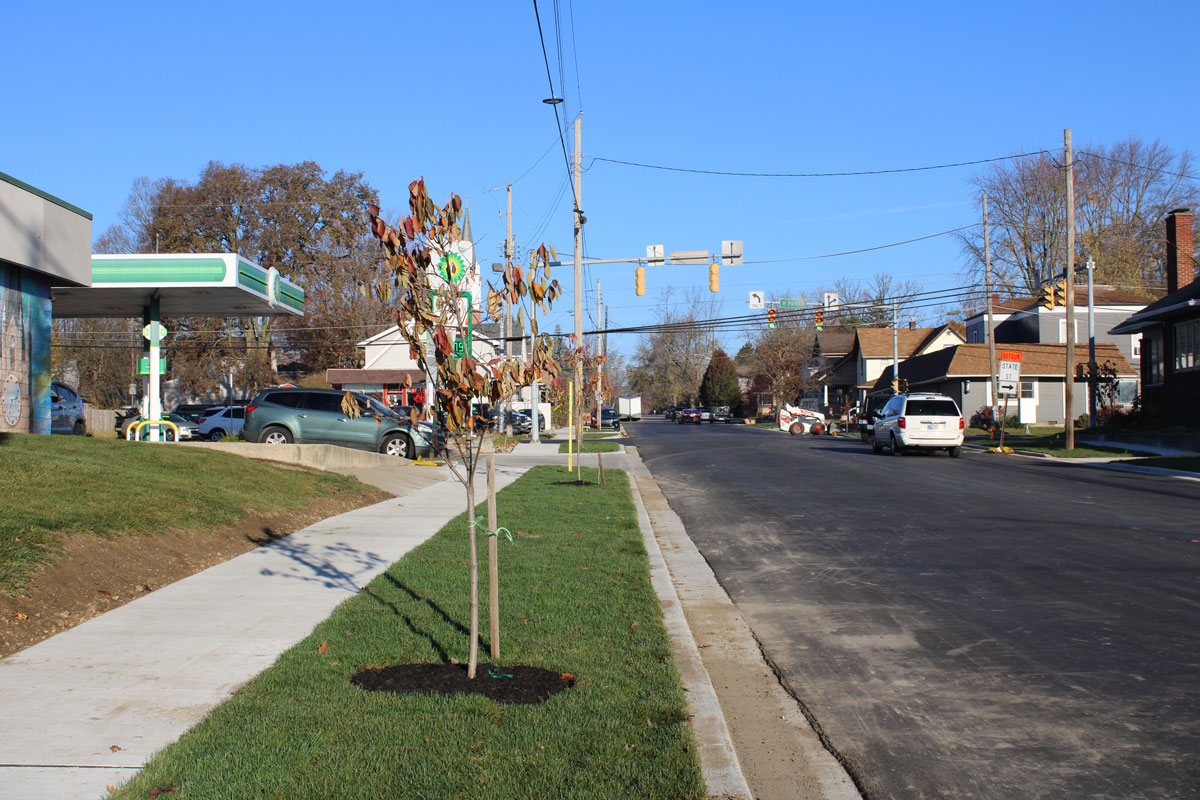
[[774, 746]]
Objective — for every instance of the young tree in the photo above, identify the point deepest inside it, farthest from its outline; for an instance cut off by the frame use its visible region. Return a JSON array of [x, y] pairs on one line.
[[432, 311], [719, 387]]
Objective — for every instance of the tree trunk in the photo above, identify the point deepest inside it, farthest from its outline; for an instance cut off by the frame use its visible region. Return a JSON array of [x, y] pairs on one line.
[[473, 656], [493, 563]]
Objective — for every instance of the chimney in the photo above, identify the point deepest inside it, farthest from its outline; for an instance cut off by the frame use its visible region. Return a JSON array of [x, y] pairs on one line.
[[912, 324], [1180, 268]]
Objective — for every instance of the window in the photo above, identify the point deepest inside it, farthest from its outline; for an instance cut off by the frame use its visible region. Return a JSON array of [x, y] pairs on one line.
[[322, 402], [931, 408], [1027, 390], [1153, 356], [289, 399], [1062, 331], [1187, 345]]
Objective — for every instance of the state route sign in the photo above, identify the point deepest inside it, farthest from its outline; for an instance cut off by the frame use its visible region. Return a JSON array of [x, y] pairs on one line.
[[1010, 373]]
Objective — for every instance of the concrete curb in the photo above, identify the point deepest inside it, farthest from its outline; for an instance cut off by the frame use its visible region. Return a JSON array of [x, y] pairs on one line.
[[801, 766], [718, 760], [319, 456]]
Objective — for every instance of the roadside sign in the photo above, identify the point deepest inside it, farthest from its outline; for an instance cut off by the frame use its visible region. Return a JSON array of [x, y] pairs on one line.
[[149, 330], [756, 300], [793, 302], [1010, 373], [144, 365]]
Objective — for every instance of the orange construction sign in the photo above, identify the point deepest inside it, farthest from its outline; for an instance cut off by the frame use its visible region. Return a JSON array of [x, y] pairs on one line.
[[1010, 355]]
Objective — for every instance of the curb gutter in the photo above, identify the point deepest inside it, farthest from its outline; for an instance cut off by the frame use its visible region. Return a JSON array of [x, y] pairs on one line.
[[779, 747]]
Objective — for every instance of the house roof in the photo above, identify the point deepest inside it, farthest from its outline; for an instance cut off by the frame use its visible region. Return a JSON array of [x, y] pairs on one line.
[[1178, 300], [972, 361], [832, 344], [877, 342], [1101, 296], [340, 377]]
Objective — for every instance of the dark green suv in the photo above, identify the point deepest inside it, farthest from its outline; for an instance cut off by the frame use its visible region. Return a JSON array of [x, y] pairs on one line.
[[315, 416]]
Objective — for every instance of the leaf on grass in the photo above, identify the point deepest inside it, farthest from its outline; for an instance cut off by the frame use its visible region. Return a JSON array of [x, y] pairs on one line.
[[163, 790], [19, 615], [324, 646], [566, 676]]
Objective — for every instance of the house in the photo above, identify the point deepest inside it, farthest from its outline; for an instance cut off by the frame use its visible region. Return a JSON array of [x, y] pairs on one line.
[[1170, 331], [1023, 320], [390, 372], [45, 243], [963, 372], [873, 349]]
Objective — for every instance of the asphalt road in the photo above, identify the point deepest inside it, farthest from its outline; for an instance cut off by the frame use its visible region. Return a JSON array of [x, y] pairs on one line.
[[981, 627]]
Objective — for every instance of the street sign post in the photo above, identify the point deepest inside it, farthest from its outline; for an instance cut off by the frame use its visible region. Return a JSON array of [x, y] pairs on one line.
[[1010, 373]]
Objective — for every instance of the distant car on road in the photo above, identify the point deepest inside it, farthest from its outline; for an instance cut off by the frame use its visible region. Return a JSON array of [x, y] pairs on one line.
[[688, 415], [610, 418], [919, 422], [721, 414], [66, 410], [705, 415]]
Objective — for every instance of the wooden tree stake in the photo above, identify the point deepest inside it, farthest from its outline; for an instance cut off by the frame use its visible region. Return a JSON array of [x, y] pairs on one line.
[[493, 561]]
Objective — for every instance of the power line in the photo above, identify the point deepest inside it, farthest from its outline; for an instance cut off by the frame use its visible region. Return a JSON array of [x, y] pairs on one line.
[[1176, 174], [817, 174], [546, 58]]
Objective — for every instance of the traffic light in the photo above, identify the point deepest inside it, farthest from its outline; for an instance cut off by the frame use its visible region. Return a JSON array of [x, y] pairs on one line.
[[770, 318], [1060, 290], [820, 319], [1049, 297], [640, 281], [714, 278], [494, 303]]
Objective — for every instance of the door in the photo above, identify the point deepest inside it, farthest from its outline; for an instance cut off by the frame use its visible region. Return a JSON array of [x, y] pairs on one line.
[[1027, 409]]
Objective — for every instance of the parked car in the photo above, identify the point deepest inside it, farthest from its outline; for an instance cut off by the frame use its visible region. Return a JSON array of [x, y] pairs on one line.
[[188, 429], [705, 415], [869, 410], [919, 421], [218, 422], [66, 410], [721, 414], [191, 411], [610, 418], [315, 416]]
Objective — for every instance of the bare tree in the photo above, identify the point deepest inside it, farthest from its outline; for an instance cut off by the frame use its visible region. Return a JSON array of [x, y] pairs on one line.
[[870, 305], [1122, 193], [674, 357]]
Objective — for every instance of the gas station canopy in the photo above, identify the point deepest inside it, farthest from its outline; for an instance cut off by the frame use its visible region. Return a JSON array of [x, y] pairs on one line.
[[184, 284]]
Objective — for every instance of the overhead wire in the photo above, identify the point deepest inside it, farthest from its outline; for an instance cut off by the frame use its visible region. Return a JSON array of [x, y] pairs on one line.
[[817, 174]]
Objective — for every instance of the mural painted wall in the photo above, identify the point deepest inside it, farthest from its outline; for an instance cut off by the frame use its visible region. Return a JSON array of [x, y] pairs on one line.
[[24, 351]]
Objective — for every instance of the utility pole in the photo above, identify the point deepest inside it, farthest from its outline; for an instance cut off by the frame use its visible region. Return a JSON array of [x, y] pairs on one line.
[[991, 335], [579, 287], [508, 257], [599, 364], [1091, 386], [895, 348], [1069, 383]]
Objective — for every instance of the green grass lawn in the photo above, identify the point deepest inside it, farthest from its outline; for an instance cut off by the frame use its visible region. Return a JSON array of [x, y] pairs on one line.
[[592, 446], [575, 597], [1052, 445], [1187, 463], [77, 485]]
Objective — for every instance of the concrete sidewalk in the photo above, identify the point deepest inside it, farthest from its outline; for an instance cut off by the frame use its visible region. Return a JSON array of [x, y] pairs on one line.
[[87, 708]]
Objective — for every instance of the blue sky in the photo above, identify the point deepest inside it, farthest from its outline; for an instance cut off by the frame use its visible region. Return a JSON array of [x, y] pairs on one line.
[[98, 95]]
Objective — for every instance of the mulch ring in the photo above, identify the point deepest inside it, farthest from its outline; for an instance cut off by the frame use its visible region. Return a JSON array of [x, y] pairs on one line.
[[504, 684]]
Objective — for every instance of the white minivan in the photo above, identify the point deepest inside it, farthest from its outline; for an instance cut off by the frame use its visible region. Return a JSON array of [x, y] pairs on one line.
[[919, 422]]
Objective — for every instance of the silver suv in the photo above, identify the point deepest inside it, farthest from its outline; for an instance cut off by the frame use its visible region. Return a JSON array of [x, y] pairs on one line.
[[919, 421]]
